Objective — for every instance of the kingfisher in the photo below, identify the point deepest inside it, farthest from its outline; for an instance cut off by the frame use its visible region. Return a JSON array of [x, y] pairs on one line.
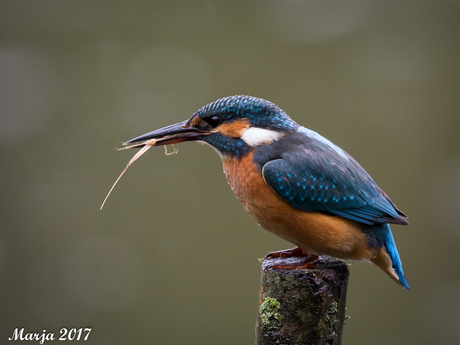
[[294, 182]]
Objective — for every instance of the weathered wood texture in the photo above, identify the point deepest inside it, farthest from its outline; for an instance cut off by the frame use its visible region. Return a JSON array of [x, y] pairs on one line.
[[302, 306]]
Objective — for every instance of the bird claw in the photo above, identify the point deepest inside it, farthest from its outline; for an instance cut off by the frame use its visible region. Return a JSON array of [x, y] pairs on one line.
[[304, 260], [286, 253]]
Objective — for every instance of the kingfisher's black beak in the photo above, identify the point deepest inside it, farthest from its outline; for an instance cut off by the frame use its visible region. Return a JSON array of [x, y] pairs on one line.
[[173, 134]]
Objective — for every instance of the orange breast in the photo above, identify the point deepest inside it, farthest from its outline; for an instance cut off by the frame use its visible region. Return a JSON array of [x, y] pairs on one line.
[[316, 233]]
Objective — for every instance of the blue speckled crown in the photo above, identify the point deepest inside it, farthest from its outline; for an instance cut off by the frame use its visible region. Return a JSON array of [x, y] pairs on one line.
[[261, 113]]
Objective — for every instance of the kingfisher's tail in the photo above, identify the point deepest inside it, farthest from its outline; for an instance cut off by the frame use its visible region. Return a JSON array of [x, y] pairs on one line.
[[388, 257]]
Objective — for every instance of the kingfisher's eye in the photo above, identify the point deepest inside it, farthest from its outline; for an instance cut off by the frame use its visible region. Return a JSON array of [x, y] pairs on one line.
[[214, 121]]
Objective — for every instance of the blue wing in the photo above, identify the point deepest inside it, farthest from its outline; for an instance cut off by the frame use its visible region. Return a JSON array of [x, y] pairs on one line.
[[314, 176]]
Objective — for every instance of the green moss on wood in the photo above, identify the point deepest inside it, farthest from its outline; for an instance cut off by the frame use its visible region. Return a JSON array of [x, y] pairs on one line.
[[269, 310], [302, 306], [330, 321]]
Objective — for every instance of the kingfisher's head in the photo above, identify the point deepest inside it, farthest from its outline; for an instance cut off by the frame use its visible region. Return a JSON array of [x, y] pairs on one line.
[[232, 125]]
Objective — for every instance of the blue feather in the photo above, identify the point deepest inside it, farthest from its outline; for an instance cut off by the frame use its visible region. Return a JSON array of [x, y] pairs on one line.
[[382, 235], [314, 175]]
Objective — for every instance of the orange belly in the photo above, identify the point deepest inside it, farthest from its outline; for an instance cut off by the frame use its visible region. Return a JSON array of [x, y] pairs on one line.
[[315, 233]]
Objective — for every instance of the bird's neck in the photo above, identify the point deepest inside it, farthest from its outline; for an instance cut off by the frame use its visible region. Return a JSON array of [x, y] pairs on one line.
[[227, 146]]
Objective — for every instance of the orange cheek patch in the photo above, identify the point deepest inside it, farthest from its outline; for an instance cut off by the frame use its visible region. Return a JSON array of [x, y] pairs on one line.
[[235, 128], [196, 122]]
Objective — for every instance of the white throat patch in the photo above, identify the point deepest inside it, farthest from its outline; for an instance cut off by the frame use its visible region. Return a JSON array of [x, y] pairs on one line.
[[256, 136], [205, 143]]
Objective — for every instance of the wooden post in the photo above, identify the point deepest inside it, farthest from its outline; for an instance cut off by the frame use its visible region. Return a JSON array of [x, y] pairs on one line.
[[302, 306]]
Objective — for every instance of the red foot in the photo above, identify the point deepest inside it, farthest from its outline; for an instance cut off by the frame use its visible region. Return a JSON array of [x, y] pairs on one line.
[[308, 260], [287, 253]]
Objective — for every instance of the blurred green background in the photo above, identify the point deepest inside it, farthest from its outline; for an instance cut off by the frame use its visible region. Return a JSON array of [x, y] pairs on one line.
[[172, 258]]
